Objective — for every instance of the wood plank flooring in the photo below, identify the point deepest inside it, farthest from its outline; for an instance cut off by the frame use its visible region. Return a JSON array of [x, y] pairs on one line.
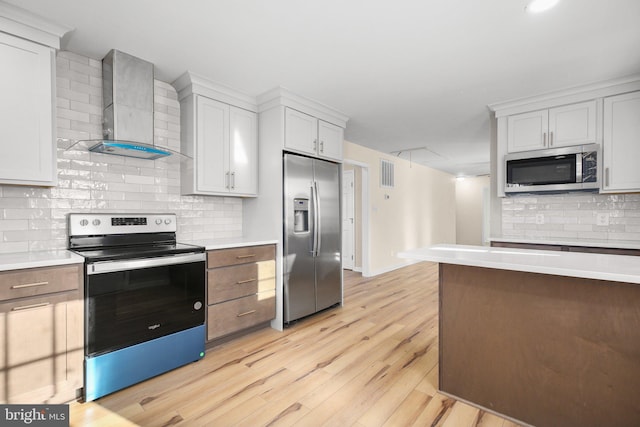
[[373, 362]]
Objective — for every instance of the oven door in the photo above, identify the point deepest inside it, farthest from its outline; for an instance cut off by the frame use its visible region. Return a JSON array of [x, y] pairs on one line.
[[132, 301]]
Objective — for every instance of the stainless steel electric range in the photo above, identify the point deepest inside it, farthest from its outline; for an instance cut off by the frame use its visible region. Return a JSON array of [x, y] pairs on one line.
[[144, 298]]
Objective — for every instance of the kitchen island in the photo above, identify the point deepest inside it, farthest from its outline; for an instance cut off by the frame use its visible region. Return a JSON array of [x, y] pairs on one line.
[[546, 338]]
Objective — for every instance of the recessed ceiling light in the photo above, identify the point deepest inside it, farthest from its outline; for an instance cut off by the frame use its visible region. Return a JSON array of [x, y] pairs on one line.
[[537, 6]]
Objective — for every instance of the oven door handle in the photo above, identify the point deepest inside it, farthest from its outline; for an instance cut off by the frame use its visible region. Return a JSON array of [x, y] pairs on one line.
[[101, 267]]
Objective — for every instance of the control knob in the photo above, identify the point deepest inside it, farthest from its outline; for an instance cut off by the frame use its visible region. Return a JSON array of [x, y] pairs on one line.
[[167, 221], [158, 221], [96, 222], [84, 222]]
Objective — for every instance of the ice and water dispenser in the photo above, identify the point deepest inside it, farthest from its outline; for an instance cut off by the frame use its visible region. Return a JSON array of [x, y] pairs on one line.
[[300, 215]]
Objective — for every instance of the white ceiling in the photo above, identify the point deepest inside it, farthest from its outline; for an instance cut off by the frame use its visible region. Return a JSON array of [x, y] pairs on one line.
[[409, 73]]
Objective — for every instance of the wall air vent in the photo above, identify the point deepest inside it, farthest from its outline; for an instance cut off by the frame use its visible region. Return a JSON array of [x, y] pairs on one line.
[[387, 179]]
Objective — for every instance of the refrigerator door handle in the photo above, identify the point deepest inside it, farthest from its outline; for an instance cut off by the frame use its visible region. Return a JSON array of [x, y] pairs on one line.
[[317, 219], [314, 220]]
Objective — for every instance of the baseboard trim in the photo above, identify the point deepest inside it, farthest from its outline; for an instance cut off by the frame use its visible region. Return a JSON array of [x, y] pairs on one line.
[[391, 268]]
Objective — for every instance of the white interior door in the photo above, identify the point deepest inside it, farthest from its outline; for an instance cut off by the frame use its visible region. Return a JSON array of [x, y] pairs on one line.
[[348, 214]]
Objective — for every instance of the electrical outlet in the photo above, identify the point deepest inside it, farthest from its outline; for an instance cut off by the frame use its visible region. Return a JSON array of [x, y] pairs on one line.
[[602, 219], [539, 219]]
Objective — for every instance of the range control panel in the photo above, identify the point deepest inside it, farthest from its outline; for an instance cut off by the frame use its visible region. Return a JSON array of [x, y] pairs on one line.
[[91, 224]]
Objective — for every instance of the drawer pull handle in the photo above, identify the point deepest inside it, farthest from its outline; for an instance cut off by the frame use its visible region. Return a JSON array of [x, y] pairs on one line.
[[241, 282], [245, 256], [26, 307], [246, 312], [29, 285]]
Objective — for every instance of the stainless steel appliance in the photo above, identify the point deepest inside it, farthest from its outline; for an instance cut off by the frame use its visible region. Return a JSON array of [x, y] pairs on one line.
[[312, 236], [144, 298], [554, 170]]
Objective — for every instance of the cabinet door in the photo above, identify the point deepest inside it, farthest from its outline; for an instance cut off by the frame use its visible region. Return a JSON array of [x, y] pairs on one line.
[[301, 132], [212, 146], [572, 124], [330, 139], [27, 150], [527, 131], [243, 151], [43, 348], [621, 143]]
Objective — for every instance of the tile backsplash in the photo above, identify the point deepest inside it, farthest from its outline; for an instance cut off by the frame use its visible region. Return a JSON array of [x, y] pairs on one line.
[[34, 218], [572, 216]]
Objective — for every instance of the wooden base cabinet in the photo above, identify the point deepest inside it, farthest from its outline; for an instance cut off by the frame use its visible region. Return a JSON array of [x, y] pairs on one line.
[[42, 335], [241, 289]]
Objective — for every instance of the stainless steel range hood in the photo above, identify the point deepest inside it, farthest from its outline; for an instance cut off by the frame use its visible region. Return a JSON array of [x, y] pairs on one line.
[[127, 99]]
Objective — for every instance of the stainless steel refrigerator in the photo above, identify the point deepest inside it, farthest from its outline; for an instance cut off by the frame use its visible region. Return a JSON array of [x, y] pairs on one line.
[[312, 236]]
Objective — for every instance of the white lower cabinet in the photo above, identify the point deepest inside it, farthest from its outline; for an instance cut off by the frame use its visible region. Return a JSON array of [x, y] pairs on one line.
[[621, 143], [27, 133], [222, 140], [309, 135]]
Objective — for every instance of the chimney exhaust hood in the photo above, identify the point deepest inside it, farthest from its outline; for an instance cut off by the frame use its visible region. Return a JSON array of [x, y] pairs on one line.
[[127, 99]]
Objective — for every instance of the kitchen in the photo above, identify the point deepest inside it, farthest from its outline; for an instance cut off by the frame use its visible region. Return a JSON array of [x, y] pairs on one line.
[[119, 185]]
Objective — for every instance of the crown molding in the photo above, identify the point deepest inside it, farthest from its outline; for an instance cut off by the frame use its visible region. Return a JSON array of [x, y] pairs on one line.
[[191, 83], [280, 96], [27, 25], [567, 96]]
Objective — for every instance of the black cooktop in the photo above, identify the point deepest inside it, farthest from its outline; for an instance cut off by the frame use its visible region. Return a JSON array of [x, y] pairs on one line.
[[135, 251]]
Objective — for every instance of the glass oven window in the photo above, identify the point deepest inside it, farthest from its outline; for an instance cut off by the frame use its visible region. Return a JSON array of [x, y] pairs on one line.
[[542, 171], [129, 307]]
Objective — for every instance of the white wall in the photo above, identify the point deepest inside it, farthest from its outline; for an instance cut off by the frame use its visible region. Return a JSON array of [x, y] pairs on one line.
[[34, 218], [470, 210], [419, 211]]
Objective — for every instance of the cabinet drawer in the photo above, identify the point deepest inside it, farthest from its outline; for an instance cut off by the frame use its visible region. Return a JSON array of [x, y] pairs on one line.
[[39, 281], [241, 313], [234, 256], [39, 301], [237, 281]]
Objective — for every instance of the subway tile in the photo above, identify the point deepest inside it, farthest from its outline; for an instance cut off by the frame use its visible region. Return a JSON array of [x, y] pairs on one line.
[[14, 224], [72, 95], [138, 179], [11, 247], [72, 56]]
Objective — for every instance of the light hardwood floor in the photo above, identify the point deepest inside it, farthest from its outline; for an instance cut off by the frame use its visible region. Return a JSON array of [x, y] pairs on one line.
[[373, 362]]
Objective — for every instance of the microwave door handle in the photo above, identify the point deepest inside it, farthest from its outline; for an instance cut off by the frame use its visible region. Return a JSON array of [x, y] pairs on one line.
[[579, 171]]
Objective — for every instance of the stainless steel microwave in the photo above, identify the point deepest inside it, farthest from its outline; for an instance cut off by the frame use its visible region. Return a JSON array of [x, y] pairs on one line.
[[554, 170]]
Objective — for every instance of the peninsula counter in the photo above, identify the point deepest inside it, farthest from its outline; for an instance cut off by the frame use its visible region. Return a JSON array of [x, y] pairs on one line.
[[545, 338]]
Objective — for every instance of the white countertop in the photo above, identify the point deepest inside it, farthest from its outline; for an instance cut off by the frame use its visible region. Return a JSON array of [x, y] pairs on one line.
[[234, 242], [20, 260], [617, 268], [592, 243]]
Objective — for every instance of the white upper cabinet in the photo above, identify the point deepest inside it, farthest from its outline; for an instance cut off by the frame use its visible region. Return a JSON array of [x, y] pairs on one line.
[[28, 46], [527, 131], [219, 131], [309, 135], [573, 124], [621, 143], [27, 131], [330, 139], [211, 140], [243, 151], [301, 132]]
